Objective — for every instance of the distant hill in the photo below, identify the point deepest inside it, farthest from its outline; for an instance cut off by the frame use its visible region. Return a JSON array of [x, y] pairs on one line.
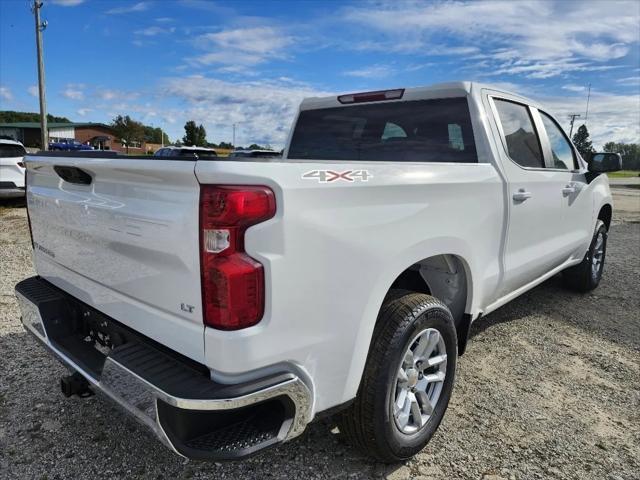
[[8, 116]]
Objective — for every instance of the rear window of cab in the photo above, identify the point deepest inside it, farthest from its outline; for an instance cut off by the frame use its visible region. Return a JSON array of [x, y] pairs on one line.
[[8, 150], [436, 130]]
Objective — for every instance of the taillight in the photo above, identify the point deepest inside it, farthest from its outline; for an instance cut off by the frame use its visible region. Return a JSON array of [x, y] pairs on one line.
[[232, 281]]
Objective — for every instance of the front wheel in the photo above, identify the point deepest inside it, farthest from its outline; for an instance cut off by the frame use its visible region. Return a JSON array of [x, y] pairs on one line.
[[408, 379], [586, 276]]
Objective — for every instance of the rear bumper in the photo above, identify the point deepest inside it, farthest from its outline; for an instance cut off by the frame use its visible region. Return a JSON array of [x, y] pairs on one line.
[[169, 394], [11, 190]]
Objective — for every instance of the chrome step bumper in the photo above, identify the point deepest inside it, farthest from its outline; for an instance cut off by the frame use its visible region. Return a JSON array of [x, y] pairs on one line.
[[191, 414]]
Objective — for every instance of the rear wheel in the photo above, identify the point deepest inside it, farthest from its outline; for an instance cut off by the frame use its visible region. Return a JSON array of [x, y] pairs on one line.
[[586, 276], [408, 379]]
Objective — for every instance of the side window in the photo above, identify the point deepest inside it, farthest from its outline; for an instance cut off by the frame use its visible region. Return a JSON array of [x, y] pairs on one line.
[[522, 140], [563, 156], [11, 151]]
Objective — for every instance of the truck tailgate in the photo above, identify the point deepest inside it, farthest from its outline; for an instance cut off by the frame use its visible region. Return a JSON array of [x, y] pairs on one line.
[[124, 240]]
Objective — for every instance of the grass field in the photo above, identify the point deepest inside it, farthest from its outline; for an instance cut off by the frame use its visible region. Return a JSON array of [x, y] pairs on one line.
[[624, 174]]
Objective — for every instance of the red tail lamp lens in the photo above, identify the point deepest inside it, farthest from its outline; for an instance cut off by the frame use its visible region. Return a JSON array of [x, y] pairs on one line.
[[232, 281]]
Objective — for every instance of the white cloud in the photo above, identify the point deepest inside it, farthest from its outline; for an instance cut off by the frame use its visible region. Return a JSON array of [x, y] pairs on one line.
[[575, 88], [242, 46], [154, 30], [537, 39], [136, 7], [67, 3], [373, 71], [629, 81], [83, 111], [74, 91], [262, 110], [115, 95], [33, 91], [5, 94]]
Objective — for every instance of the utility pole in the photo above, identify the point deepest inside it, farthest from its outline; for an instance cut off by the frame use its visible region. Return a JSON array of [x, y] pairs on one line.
[[234, 136], [40, 26], [573, 117], [586, 115]]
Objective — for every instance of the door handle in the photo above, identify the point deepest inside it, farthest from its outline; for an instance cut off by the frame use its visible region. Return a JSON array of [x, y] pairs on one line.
[[568, 190], [521, 195]]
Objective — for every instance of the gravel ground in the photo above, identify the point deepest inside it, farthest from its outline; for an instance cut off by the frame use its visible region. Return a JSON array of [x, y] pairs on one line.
[[549, 388]]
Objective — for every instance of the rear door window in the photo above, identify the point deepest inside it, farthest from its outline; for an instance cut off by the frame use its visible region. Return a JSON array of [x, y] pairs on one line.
[[10, 151], [413, 131], [523, 144]]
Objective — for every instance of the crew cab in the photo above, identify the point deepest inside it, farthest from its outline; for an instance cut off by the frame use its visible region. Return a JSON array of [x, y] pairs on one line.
[[228, 303], [11, 169]]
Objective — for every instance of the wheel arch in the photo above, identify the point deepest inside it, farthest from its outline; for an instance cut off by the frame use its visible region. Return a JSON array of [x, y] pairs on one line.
[[445, 276], [403, 271], [605, 214]]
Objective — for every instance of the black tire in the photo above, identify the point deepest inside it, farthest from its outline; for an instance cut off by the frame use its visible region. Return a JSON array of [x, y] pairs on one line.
[[368, 423], [586, 276]]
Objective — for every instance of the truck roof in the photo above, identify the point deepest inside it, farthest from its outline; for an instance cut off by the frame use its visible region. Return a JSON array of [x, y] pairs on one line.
[[437, 90]]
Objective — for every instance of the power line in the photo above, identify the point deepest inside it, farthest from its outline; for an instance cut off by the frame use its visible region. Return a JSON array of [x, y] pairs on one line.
[[40, 26]]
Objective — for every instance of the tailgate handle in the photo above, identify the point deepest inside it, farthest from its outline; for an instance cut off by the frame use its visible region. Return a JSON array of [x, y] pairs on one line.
[[73, 175]]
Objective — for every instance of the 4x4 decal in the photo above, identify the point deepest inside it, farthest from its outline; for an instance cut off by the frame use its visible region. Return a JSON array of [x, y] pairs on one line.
[[327, 176]]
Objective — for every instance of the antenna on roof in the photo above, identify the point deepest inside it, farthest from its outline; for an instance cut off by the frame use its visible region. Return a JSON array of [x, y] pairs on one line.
[[586, 114]]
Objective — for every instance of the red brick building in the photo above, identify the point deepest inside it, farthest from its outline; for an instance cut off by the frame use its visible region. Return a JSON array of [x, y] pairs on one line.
[[98, 135]]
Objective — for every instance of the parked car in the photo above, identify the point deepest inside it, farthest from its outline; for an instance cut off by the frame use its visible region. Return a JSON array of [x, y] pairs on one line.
[[254, 154], [68, 145], [184, 151], [11, 169], [226, 305]]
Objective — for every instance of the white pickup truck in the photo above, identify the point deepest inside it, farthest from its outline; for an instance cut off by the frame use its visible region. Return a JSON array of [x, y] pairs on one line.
[[227, 303]]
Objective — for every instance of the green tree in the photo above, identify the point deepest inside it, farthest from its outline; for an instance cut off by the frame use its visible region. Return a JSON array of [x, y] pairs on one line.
[[195, 135], [582, 142], [202, 136], [9, 116], [128, 130], [154, 135]]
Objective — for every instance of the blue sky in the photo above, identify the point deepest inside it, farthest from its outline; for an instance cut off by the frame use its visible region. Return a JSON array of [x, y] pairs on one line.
[[251, 62]]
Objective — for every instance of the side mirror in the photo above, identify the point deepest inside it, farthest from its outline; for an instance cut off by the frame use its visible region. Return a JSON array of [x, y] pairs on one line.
[[605, 162]]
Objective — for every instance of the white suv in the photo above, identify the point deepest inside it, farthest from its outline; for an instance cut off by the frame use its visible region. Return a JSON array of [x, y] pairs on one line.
[[11, 169]]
